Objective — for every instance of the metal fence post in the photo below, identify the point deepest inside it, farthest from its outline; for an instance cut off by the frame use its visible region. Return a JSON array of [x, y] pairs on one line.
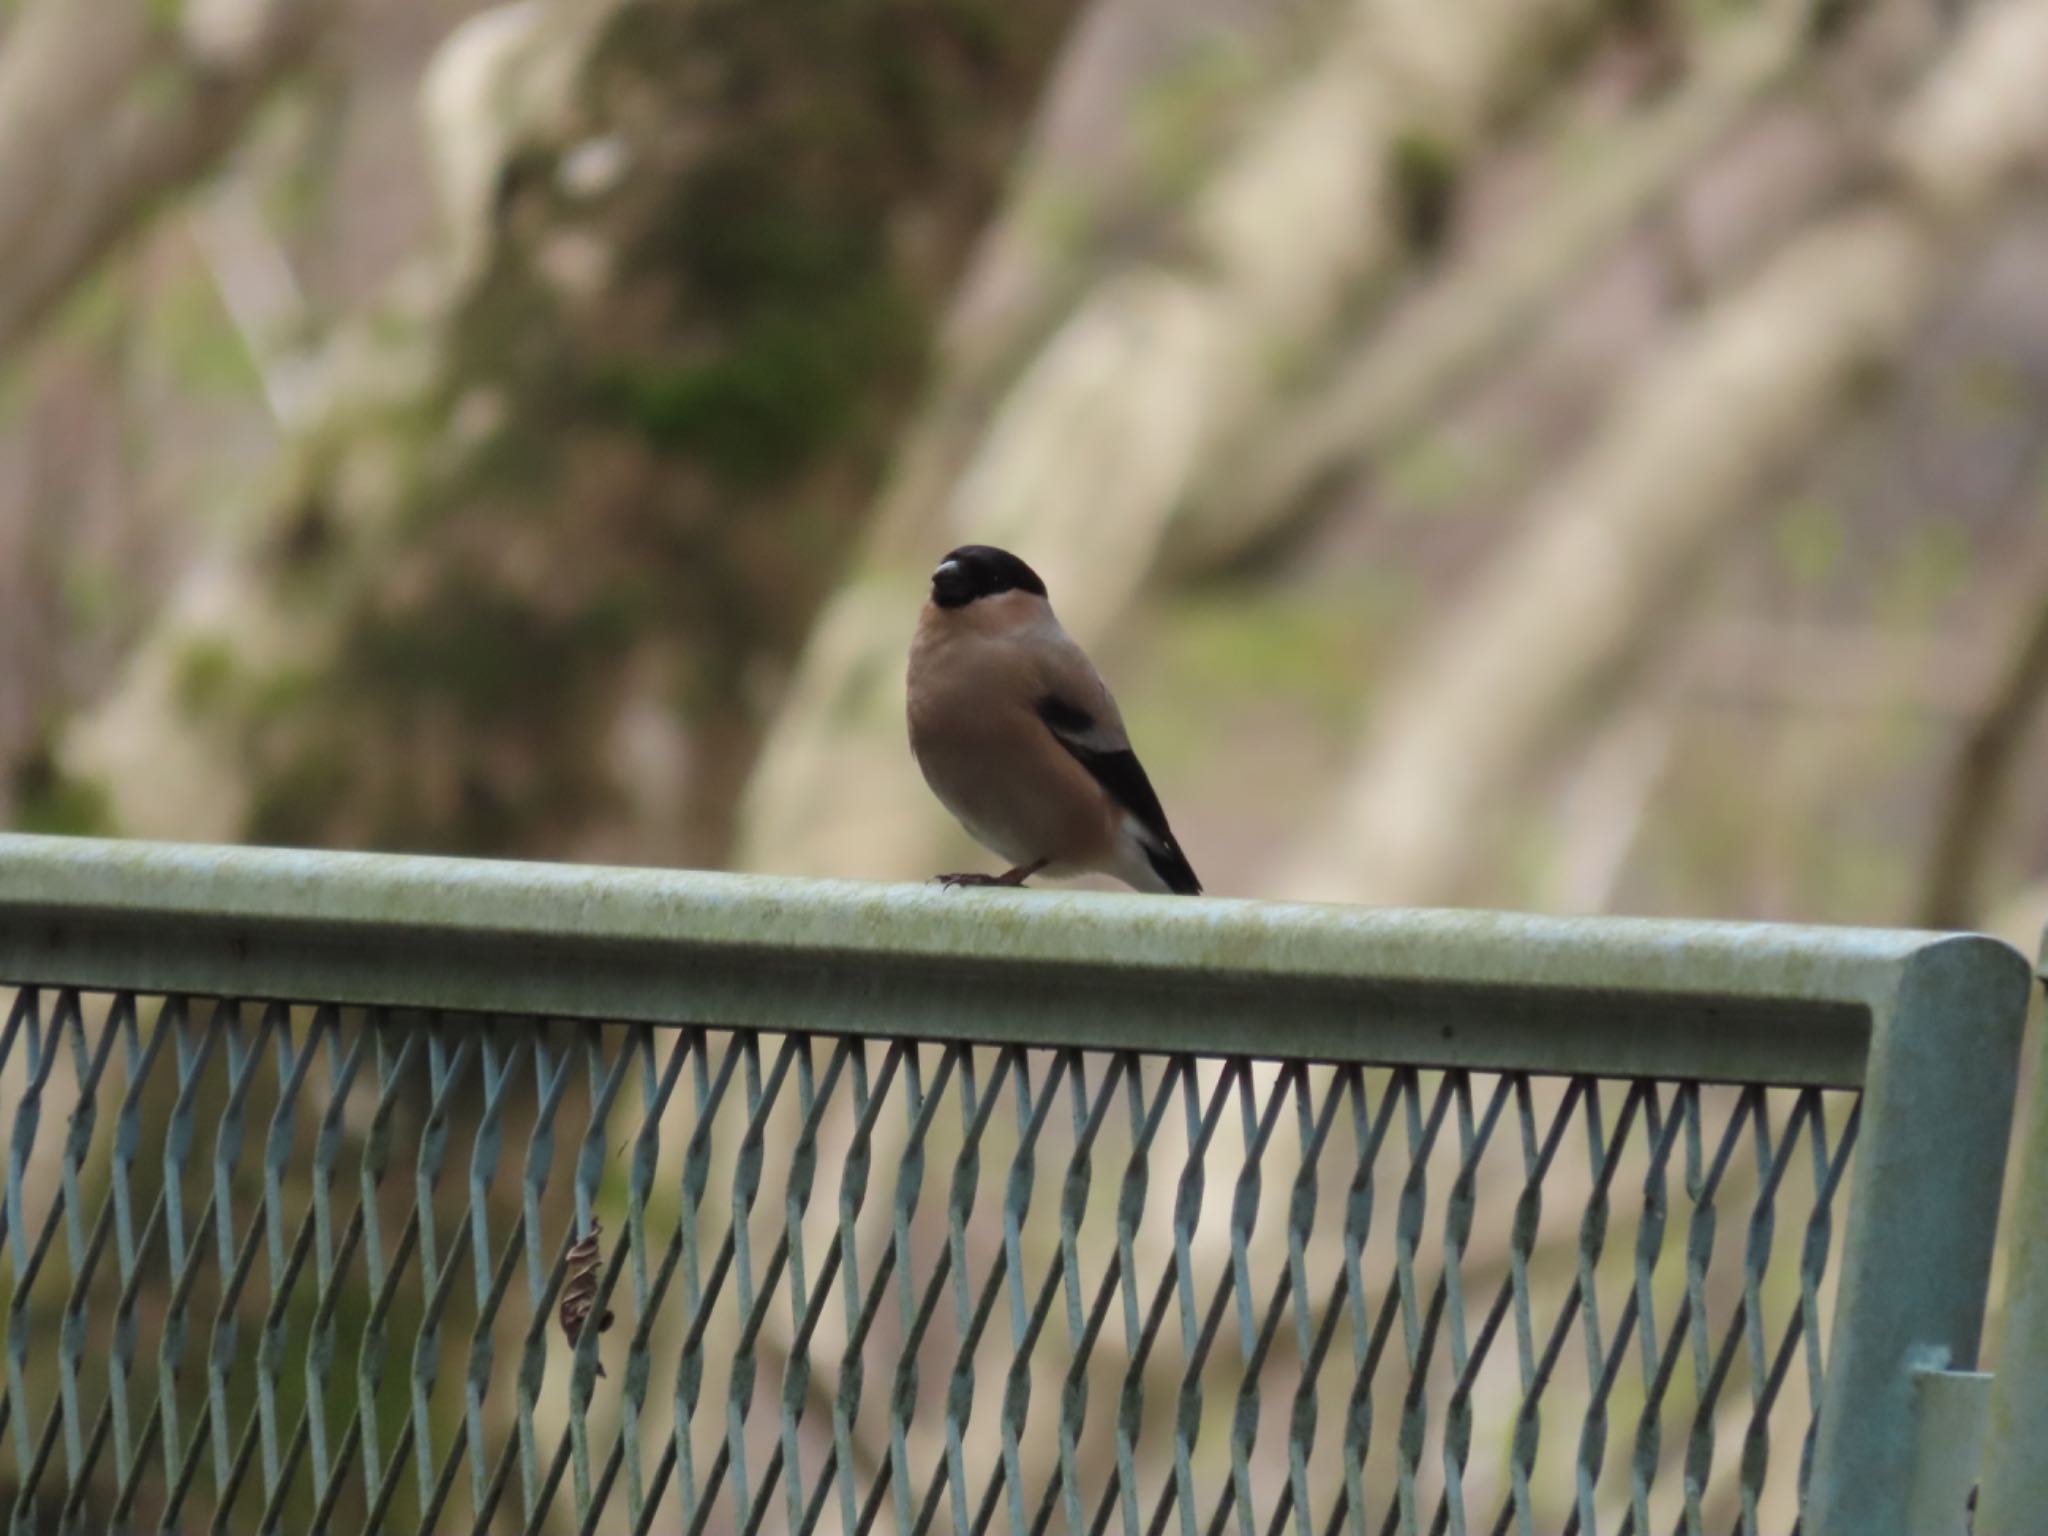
[[1923, 1216], [2015, 1491], [1951, 1408]]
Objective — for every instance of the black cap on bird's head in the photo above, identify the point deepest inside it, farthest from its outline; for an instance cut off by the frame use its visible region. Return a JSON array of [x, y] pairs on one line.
[[981, 570]]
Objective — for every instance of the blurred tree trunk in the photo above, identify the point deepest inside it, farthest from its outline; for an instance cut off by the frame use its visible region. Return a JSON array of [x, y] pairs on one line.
[[1400, 374], [106, 108], [1976, 796], [1603, 567], [1143, 108], [571, 510], [1104, 434]]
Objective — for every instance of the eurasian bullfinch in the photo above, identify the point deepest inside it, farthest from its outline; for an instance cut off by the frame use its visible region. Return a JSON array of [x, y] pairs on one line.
[[1020, 740]]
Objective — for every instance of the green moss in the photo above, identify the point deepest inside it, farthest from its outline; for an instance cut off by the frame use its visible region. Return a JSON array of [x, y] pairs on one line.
[[1424, 173], [295, 804], [298, 192], [990, 30], [1056, 217], [748, 232], [1992, 389], [1180, 111], [1931, 571], [788, 387], [1827, 20], [281, 694], [161, 84], [17, 388], [1313, 649], [47, 799], [804, 320], [198, 343], [1810, 542], [796, 317], [97, 308], [203, 675], [94, 593], [490, 655], [1452, 471], [518, 466], [625, 611]]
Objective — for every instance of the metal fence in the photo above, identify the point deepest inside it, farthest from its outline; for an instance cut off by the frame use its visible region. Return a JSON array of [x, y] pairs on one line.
[[914, 1210]]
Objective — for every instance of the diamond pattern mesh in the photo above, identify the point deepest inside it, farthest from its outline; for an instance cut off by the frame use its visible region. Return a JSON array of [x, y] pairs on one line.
[[271, 1267]]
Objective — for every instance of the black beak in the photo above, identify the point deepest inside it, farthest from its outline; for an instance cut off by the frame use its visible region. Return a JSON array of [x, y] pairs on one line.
[[951, 587]]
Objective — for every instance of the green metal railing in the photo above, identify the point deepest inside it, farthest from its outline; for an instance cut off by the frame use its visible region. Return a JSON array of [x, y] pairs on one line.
[[963, 1211]]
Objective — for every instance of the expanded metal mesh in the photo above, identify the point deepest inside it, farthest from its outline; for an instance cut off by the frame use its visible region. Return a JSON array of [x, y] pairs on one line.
[[291, 1267]]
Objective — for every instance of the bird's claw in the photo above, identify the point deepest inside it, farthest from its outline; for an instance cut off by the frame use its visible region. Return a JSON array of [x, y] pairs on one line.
[[967, 877]]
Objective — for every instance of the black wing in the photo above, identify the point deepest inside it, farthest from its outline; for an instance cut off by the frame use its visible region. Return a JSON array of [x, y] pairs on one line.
[[1123, 776]]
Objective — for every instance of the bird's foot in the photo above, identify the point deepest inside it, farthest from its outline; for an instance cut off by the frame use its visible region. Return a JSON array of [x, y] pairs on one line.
[[1009, 877]]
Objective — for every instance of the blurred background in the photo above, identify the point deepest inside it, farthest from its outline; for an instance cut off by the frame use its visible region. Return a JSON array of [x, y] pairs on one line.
[[1538, 453], [1572, 455]]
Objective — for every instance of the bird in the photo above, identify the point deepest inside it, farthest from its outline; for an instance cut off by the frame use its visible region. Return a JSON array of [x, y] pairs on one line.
[[1018, 736]]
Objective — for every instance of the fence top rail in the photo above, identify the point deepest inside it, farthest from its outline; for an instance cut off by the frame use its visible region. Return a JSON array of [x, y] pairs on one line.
[[1747, 1002]]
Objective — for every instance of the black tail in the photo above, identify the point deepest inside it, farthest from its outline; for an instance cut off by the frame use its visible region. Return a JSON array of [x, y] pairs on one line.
[[1172, 866]]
